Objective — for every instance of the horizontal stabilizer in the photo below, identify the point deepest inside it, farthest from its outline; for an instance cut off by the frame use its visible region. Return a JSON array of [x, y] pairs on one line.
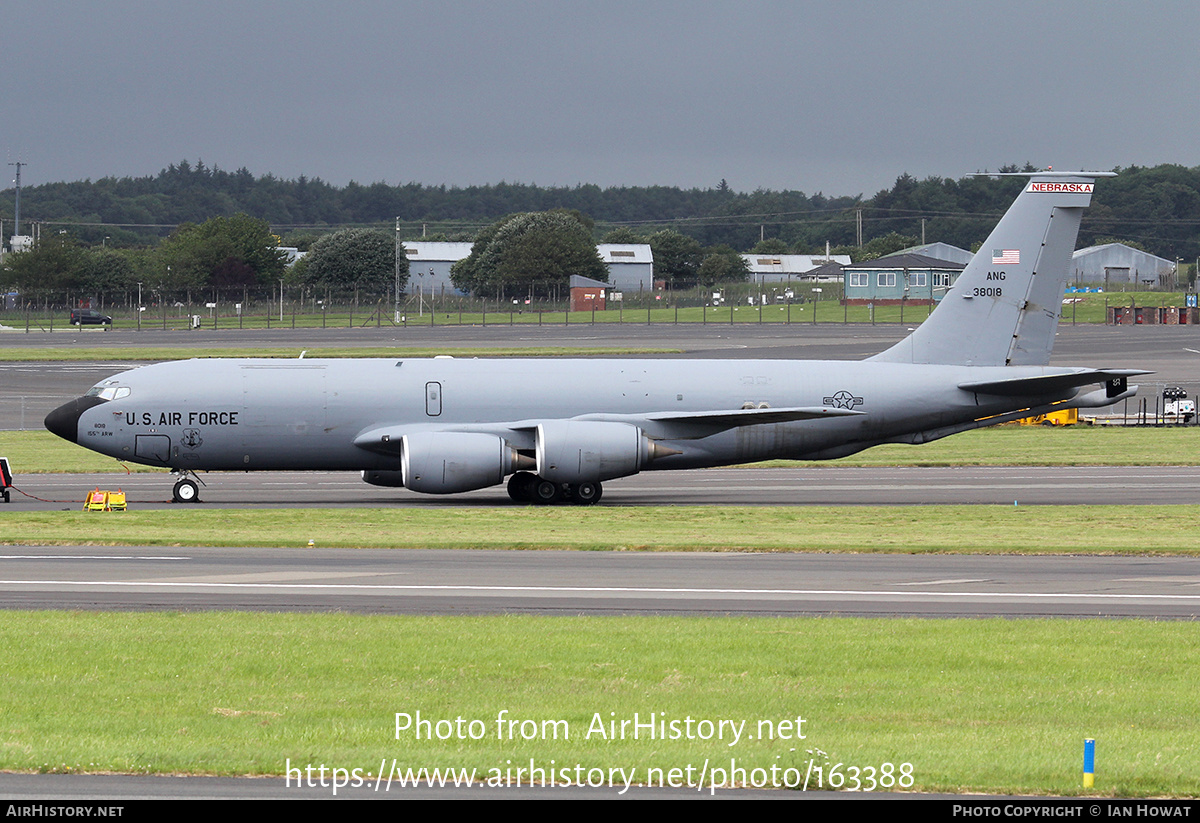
[[1046, 384]]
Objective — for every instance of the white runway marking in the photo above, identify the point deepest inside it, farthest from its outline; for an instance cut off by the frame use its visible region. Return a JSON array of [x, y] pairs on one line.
[[89, 557], [606, 590]]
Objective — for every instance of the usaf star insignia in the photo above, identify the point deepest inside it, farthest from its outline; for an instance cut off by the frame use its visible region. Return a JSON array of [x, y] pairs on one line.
[[842, 400]]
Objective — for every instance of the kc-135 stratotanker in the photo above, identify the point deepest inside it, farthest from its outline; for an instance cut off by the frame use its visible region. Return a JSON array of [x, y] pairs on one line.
[[559, 428]]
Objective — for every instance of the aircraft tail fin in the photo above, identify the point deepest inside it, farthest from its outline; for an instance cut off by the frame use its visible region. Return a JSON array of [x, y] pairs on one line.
[[1004, 308]]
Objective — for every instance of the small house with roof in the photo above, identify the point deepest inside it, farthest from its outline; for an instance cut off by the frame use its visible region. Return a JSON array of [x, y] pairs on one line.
[[902, 277]]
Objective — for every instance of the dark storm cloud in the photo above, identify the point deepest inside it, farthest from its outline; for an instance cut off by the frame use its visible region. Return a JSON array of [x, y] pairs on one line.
[[815, 96]]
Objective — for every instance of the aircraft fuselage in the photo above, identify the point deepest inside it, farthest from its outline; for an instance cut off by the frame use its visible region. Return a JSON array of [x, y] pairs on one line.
[[269, 414]]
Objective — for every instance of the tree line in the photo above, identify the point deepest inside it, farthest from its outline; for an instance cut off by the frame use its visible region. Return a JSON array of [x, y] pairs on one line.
[[1157, 207], [102, 238], [530, 253], [222, 258]]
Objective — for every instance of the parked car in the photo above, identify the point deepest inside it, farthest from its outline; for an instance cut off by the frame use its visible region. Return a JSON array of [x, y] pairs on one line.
[[89, 317]]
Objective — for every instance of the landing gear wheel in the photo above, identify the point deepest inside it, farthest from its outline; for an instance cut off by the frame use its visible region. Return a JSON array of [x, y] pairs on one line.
[[546, 492], [520, 487], [186, 491], [585, 494]]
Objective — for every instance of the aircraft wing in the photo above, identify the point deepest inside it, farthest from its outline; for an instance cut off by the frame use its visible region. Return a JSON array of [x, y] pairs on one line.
[[1047, 384], [694, 425], [657, 425]]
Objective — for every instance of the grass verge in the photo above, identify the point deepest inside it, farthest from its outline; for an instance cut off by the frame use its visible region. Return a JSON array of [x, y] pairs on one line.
[[155, 353], [40, 452], [1015, 445], [889, 529], [974, 705], [36, 452], [1076, 308]]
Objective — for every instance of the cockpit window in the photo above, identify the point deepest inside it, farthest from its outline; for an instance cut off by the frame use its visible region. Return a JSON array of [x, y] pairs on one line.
[[108, 392]]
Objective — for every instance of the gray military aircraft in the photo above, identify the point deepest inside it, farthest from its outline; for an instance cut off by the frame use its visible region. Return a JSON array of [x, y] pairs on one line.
[[559, 428]]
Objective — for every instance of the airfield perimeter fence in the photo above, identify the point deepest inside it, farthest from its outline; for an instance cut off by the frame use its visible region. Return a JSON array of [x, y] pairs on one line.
[[720, 305], [738, 303]]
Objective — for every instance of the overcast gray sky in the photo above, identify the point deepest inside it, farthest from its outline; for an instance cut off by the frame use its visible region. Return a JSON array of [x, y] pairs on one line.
[[839, 97]]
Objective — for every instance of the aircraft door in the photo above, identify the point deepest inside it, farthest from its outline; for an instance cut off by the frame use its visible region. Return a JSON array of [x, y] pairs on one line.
[[153, 447], [433, 399]]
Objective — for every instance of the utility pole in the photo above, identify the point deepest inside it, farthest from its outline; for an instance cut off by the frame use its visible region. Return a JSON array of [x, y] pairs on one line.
[[17, 209], [399, 251]]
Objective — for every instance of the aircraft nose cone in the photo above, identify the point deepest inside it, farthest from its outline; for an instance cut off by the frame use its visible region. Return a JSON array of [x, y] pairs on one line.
[[64, 421]]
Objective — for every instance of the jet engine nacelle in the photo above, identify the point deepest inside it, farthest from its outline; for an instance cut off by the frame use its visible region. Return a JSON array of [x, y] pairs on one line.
[[449, 462], [588, 451], [377, 478]]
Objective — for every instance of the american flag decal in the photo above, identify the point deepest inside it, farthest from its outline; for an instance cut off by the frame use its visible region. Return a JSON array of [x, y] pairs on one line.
[[1006, 257]]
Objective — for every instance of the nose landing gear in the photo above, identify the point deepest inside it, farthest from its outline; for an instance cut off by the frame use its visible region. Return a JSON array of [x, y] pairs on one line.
[[187, 487]]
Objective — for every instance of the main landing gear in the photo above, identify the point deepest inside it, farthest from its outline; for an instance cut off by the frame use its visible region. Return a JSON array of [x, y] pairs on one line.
[[526, 487], [187, 488]]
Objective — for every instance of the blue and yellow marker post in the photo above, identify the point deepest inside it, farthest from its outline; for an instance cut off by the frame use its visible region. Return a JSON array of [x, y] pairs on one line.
[[1089, 763]]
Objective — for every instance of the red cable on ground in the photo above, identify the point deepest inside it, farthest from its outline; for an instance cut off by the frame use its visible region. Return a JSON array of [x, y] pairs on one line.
[[40, 499]]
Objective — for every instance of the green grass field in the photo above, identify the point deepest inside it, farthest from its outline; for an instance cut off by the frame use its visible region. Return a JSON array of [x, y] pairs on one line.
[[35, 452], [876, 529], [156, 353], [973, 705]]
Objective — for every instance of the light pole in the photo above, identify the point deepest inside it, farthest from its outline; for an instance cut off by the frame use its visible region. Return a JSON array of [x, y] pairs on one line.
[[139, 305], [396, 290], [17, 207]]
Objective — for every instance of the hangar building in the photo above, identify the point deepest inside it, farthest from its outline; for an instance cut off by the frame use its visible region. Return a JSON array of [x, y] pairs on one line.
[[429, 265], [1115, 266], [630, 266], [784, 268]]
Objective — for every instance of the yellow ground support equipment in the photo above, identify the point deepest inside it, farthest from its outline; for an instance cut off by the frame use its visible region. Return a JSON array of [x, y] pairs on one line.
[[1066, 417], [99, 500]]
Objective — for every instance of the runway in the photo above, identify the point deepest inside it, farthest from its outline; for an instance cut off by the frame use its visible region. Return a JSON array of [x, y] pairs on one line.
[[459, 582], [803, 486]]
